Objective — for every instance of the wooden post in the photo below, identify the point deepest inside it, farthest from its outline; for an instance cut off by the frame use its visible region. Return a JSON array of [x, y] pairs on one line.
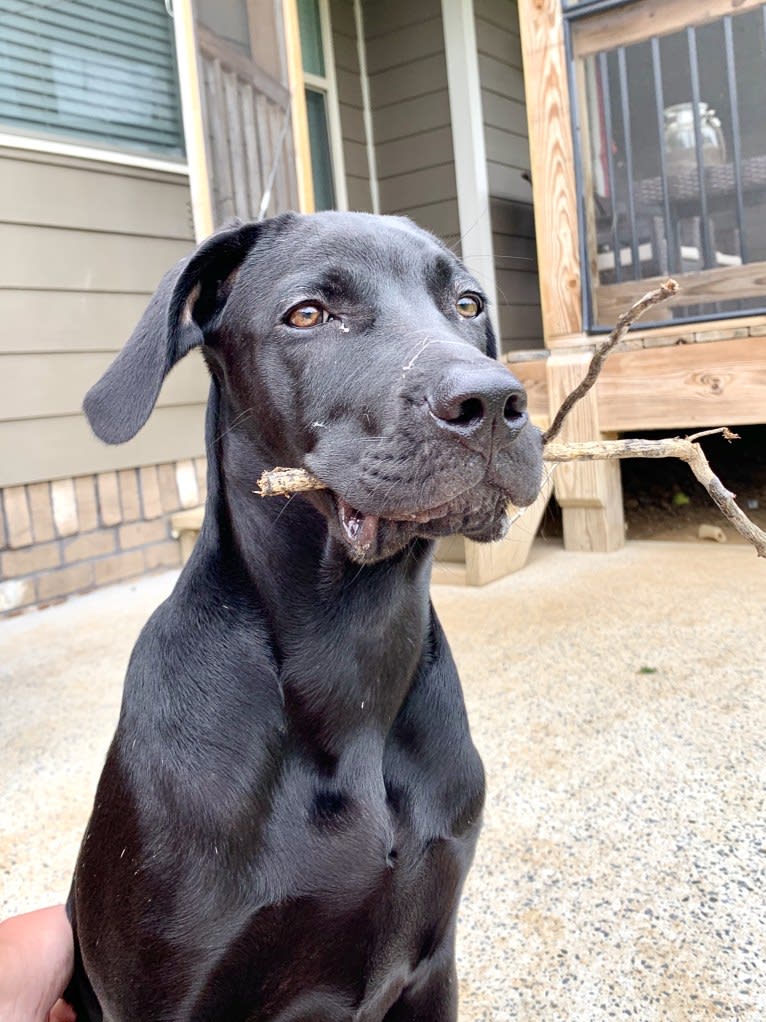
[[194, 127], [300, 124], [552, 163], [589, 493]]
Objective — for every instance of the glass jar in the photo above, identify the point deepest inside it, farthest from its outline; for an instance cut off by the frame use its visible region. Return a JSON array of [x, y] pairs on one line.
[[680, 145]]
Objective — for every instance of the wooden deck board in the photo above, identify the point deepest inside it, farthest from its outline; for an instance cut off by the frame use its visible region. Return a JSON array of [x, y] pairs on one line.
[[688, 385]]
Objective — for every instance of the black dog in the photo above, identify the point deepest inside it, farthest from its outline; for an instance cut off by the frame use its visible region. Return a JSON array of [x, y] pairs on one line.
[[292, 798]]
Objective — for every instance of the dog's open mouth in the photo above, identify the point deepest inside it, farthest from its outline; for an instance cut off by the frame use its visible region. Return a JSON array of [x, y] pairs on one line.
[[360, 530], [369, 536], [377, 502]]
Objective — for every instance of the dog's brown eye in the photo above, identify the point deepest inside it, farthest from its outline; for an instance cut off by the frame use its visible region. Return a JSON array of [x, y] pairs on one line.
[[469, 305], [306, 315]]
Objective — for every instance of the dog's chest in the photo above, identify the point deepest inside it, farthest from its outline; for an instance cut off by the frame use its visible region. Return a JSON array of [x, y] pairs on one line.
[[380, 790], [372, 822], [365, 883]]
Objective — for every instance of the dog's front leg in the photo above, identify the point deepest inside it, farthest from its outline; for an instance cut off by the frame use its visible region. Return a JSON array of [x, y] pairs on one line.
[[432, 995]]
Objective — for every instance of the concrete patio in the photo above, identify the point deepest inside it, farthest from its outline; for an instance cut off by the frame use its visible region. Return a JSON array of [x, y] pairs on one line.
[[620, 705]]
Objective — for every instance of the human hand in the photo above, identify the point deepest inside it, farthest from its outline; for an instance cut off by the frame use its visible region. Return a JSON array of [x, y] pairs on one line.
[[36, 961]]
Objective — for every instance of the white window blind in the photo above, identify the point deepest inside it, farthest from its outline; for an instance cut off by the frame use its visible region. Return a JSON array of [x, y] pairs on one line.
[[102, 71]]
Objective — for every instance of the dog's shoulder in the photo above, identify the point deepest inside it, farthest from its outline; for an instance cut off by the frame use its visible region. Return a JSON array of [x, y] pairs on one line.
[[202, 696]]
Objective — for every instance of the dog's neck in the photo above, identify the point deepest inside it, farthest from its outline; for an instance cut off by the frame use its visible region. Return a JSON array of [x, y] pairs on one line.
[[348, 638]]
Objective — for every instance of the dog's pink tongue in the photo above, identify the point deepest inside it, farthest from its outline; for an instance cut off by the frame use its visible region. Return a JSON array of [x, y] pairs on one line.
[[361, 530]]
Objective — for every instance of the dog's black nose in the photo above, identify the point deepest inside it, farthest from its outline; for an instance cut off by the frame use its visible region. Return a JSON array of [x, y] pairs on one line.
[[478, 404]]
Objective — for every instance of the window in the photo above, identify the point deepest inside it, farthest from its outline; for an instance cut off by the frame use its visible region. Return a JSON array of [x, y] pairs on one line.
[[321, 105], [672, 154], [103, 71]]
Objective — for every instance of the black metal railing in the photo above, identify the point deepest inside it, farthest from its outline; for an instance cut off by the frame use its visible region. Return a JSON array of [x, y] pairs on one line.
[[668, 186]]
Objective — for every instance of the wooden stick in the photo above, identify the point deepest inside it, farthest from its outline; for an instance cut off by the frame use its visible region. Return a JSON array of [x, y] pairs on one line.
[[687, 450], [604, 450], [670, 287], [281, 481], [295, 480]]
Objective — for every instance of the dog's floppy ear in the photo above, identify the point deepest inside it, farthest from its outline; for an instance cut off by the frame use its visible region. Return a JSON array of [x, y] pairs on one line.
[[188, 299]]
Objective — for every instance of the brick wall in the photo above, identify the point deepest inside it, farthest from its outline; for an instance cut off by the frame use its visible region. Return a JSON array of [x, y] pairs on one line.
[[73, 535]]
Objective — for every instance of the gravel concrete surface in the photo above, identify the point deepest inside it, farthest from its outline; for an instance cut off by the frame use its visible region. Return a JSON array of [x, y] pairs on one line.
[[619, 702]]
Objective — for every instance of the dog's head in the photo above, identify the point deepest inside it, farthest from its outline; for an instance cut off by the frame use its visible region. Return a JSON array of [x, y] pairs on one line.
[[357, 347]]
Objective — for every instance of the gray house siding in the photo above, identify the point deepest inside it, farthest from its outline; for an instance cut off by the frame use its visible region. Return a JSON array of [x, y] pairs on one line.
[[518, 292], [507, 145], [351, 104], [502, 93], [411, 113], [83, 244], [412, 134]]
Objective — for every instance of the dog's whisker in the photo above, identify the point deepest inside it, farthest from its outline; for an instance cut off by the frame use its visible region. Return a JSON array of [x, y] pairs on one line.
[[284, 507], [236, 421], [474, 225], [356, 574]]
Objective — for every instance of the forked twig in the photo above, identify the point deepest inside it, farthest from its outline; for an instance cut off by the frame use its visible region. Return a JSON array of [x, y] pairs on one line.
[[624, 323], [685, 448]]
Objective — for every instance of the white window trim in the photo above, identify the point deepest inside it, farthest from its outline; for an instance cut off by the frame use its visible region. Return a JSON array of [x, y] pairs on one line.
[[364, 81], [195, 138], [56, 147], [473, 199], [328, 84]]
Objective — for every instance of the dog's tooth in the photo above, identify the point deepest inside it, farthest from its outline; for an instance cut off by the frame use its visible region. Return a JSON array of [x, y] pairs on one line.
[[368, 531], [353, 523], [350, 519], [361, 530]]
